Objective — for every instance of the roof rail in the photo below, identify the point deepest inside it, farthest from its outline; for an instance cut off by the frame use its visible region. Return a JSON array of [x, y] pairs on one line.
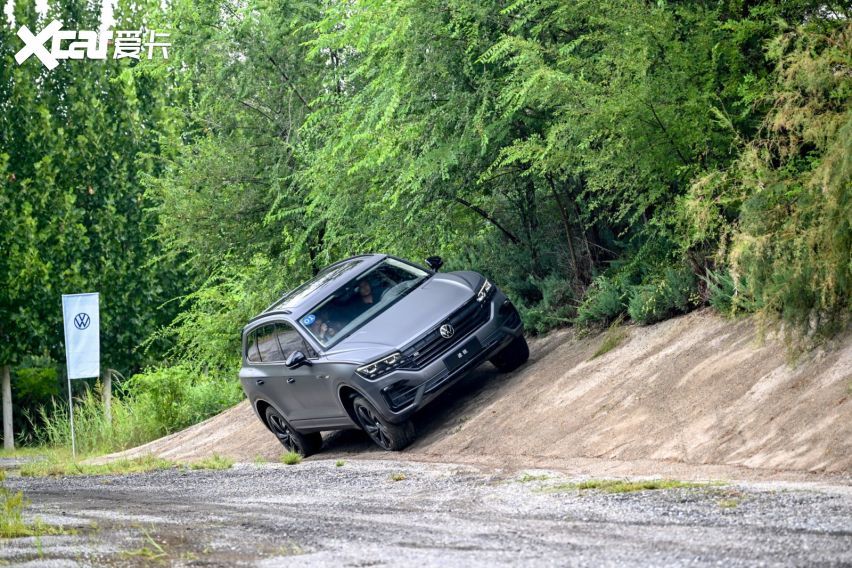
[[287, 293], [272, 313]]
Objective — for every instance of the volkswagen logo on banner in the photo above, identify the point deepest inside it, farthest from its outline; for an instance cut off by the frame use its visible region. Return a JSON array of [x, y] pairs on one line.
[[447, 331], [81, 321]]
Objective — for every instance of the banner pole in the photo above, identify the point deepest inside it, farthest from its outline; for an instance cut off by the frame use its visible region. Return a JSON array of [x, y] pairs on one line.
[[71, 414]]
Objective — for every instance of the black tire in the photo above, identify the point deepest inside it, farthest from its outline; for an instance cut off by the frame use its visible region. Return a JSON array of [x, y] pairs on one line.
[[293, 441], [388, 436], [513, 355]]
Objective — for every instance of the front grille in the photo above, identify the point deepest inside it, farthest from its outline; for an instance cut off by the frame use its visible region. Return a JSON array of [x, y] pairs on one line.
[[465, 320]]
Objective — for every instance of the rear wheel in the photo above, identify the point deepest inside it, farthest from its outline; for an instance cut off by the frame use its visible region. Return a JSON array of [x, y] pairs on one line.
[[388, 436], [513, 355], [293, 441]]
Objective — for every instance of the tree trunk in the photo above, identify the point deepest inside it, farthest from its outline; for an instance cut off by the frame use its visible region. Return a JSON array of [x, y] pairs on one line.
[[8, 433], [567, 227]]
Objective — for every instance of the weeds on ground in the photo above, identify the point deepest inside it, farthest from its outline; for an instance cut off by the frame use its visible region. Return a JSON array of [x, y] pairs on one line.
[[53, 467], [291, 549], [25, 452], [12, 524], [214, 462], [398, 476], [339, 463], [259, 460], [612, 338], [291, 458], [58, 466], [527, 477], [621, 485], [151, 551]]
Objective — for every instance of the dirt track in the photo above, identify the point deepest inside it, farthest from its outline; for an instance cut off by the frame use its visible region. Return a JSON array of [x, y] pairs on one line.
[[692, 397], [385, 513]]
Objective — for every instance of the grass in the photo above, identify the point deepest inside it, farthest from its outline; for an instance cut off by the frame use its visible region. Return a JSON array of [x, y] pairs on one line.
[[527, 477], [214, 462], [728, 503], [52, 467], [152, 551], [622, 485], [612, 337], [57, 466], [24, 452], [12, 524], [398, 476], [339, 463], [291, 458]]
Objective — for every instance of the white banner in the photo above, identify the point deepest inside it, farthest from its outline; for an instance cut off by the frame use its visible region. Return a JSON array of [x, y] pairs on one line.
[[82, 335]]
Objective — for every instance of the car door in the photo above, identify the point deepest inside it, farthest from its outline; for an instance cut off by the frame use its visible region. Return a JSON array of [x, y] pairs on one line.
[[277, 385], [308, 384]]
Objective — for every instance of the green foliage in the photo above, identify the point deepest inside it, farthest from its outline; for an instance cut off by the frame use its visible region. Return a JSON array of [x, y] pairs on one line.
[[155, 403], [554, 309], [624, 486], [671, 293], [795, 233], [178, 396], [612, 338], [604, 302], [12, 524], [728, 296], [291, 458], [213, 462], [593, 158], [94, 434], [59, 468]]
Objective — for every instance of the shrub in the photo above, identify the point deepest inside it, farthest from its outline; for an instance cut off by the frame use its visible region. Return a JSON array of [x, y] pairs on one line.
[[154, 403], [603, 303], [673, 292], [555, 307], [291, 458], [179, 396], [727, 295]]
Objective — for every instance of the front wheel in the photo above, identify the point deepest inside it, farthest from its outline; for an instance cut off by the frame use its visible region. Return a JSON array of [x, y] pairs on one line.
[[293, 441], [391, 437], [513, 355]]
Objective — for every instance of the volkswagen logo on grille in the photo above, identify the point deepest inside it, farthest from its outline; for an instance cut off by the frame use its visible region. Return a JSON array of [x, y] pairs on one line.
[[447, 331], [81, 321]]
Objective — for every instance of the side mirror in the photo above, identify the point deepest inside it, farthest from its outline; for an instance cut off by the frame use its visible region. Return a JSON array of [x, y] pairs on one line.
[[434, 262], [296, 360]]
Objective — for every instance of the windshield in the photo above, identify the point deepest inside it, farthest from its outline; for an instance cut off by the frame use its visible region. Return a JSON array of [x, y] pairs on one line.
[[326, 275], [360, 300]]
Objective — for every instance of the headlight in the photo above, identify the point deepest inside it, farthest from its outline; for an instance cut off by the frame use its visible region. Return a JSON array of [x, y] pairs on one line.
[[484, 291], [378, 368]]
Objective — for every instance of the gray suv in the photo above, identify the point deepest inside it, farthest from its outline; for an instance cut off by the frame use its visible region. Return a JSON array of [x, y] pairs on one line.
[[369, 341]]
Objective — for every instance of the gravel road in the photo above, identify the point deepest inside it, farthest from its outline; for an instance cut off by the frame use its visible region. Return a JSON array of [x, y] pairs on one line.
[[386, 513]]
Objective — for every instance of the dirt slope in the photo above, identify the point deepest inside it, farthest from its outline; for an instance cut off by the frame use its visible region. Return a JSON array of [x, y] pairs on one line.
[[693, 390]]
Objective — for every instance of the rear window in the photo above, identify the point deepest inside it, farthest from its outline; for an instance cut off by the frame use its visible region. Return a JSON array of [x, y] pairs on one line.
[[275, 342]]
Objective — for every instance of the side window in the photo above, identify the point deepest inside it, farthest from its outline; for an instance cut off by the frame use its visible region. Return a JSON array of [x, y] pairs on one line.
[[252, 354], [290, 340], [267, 344]]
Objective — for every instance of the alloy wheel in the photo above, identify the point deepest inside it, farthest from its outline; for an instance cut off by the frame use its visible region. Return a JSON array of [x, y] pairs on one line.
[[284, 433], [373, 426]]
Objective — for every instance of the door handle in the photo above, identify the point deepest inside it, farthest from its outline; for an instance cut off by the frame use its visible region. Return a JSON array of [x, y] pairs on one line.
[[259, 382], [291, 380]]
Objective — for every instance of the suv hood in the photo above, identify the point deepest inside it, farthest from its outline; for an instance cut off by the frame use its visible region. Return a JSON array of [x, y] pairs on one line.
[[416, 313]]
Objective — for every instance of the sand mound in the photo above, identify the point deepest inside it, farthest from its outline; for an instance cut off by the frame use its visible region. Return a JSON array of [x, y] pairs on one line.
[[697, 389]]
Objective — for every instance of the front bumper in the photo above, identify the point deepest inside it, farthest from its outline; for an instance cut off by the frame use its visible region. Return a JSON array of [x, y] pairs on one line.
[[402, 392]]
